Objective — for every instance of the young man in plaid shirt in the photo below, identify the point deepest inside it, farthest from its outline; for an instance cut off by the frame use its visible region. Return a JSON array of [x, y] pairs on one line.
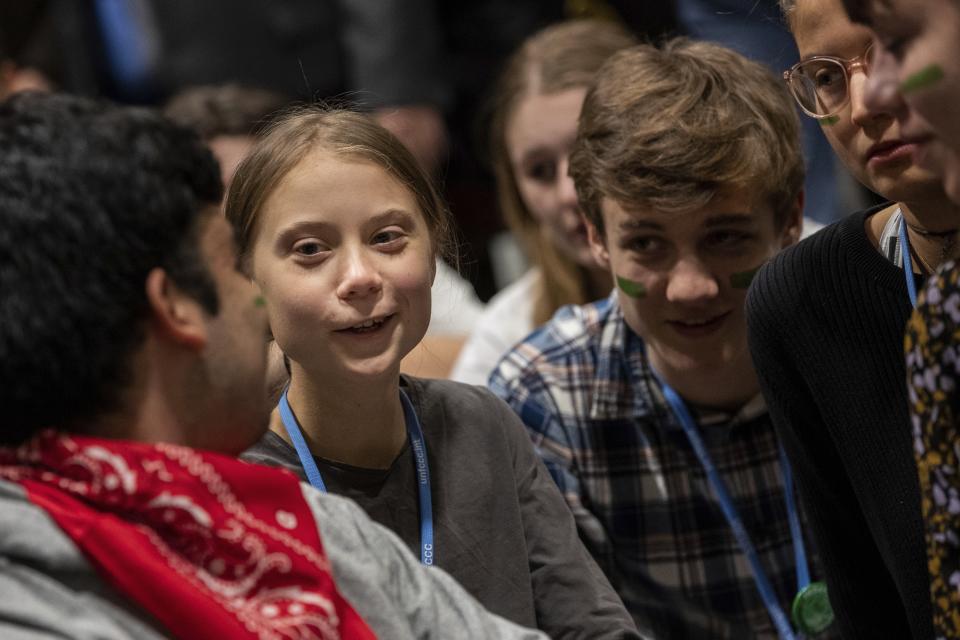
[[688, 168]]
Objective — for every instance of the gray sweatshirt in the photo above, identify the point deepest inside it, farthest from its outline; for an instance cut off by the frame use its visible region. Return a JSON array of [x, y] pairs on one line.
[[502, 528], [49, 590]]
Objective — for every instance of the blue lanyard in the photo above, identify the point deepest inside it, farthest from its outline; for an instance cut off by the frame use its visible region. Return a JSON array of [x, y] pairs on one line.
[[907, 263], [767, 593], [418, 446]]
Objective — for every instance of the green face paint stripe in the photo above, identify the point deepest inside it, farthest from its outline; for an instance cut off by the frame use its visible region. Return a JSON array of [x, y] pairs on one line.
[[829, 121], [259, 301], [742, 280], [631, 288], [922, 79]]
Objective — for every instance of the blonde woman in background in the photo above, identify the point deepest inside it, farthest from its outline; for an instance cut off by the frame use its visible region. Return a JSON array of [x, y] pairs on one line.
[[535, 110]]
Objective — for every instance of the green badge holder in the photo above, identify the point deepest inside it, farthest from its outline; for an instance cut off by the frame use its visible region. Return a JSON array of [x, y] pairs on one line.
[[811, 610]]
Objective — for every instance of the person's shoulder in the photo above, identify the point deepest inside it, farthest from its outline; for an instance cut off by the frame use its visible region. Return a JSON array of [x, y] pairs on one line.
[[564, 345], [270, 449], [32, 534], [572, 332], [273, 451], [349, 535], [330, 508], [555, 369], [796, 257], [345, 529], [473, 414], [788, 280], [48, 588], [450, 395], [833, 244]]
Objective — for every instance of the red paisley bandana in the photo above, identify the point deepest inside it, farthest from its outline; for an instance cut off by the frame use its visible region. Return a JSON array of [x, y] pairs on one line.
[[210, 546]]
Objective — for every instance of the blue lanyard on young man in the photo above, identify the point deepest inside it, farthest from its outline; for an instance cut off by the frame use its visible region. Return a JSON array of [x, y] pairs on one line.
[[907, 263], [417, 444], [810, 607]]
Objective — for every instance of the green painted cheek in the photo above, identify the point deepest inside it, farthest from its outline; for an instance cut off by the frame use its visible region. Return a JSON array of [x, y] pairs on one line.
[[829, 121], [743, 279], [631, 288], [926, 77], [259, 301]]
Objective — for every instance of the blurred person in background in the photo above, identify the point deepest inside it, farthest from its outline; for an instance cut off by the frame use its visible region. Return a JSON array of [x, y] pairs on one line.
[[385, 53], [535, 109], [24, 63], [228, 117]]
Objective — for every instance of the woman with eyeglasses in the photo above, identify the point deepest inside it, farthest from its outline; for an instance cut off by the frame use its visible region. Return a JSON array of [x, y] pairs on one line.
[[826, 331]]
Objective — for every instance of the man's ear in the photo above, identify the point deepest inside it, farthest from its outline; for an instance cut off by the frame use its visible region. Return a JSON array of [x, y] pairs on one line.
[[175, 315], [793, 225], [598, 244]]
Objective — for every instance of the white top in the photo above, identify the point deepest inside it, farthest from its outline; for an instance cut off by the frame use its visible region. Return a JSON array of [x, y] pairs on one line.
[[456, 307], [507, 320]]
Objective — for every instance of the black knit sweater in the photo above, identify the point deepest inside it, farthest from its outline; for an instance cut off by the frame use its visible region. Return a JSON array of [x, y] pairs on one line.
[[826, 321]]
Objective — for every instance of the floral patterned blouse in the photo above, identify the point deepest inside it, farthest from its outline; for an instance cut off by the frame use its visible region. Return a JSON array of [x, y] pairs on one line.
[[933, 371]]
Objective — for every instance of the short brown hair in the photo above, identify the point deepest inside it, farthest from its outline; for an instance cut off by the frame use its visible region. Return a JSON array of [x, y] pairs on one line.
[[560, 57], [305, 129], [225, 109], [669, 128]]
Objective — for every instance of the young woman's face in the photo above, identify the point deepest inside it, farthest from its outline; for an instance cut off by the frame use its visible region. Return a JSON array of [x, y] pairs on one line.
[[539, 135], [917, 56], [867, 138], [343, 256]]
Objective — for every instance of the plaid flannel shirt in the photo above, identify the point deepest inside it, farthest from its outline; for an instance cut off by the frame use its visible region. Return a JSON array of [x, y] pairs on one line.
[[643, 505]]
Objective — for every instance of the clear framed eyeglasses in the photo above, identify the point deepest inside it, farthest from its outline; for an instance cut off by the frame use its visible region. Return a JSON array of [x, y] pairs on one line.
[[821, 84]]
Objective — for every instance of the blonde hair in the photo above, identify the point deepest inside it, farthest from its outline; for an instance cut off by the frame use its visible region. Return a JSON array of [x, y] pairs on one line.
[[560, 57], [669, 128], [305, 129]]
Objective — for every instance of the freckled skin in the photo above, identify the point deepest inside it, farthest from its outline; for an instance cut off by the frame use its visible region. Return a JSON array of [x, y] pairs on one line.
[[341, 242]]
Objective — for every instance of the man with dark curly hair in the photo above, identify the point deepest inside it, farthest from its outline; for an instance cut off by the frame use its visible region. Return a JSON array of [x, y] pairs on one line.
[[132, 354]]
